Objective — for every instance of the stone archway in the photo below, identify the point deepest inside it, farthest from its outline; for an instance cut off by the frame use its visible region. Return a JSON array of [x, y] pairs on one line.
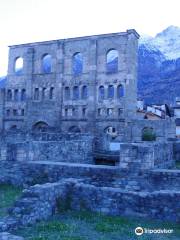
[[40, 126], [74, 129]]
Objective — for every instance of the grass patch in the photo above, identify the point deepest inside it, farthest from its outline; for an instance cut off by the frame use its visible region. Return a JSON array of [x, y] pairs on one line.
[[8, 194], [177, 165], [84, 225]]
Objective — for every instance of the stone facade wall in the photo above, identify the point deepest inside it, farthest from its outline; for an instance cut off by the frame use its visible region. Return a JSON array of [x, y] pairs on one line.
[[146, 155], [84, 112]]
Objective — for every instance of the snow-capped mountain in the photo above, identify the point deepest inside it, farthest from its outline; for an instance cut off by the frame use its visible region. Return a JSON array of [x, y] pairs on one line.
[[159, 66], [167, 41]]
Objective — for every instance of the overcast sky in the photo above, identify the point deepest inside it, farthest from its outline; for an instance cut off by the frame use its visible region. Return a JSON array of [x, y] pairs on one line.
[[23, 21]]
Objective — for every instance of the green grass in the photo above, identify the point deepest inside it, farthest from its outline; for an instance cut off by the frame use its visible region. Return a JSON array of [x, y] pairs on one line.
[[73, 225], [8, 194], [177, 165]]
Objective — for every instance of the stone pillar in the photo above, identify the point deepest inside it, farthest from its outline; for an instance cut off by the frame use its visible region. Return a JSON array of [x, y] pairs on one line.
[[91, 114], [29, 56], [2, 112]]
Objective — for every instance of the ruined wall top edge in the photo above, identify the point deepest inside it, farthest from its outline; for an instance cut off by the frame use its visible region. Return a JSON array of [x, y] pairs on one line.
[[93, 37]]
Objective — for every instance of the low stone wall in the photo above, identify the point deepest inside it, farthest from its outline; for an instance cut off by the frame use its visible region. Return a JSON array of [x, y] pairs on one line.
[[47, 147], [160, 179], [163, 205], [8, 236], [146, 155], [31, 173], [42, 201]]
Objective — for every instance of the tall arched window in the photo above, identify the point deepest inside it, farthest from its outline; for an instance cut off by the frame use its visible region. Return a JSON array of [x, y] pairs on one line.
[[47, 63], [75, 92], [9, 95], [84, 92], [43, 93], [23, 94], [18, 65], [101, 93], [51, 93], [16, 95], [36, 94], [67, 95], [112, 61], [77, 64], [110, 91], [120, 91]]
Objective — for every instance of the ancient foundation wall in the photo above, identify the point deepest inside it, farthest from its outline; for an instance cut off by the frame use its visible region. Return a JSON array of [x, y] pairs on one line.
[[47, 147], [146, 155]]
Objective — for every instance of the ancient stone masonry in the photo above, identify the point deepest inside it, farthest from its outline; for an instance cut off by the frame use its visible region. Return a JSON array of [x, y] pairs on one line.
[[74, 85], [68, 110], [8, 236], [47, 147]]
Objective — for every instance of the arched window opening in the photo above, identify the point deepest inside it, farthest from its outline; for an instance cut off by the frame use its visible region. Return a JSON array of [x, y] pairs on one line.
[[84, 110], [120, 112], [40, 126], [15, 112], [67, 94], [100, 112], [66, 112], [84, 93], [18, 66], [77, 64], [36, 94], [120, 91], [101, 93], [8, 112], [9, 95], [74, 129], [74, 112], [75, 93], [13, 127], [51, 93], [47, 63], [111, 131], [43, 93], [16, 95], [110, 111], [112, 61], [148, 134], [110, 91], [23, 95], [22, 112]]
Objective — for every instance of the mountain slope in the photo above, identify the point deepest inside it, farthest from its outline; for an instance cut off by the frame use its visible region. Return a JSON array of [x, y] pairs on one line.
[[159, 67]]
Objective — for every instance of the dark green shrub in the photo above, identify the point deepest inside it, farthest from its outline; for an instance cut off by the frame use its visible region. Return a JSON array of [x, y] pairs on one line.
[[148, 135]]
